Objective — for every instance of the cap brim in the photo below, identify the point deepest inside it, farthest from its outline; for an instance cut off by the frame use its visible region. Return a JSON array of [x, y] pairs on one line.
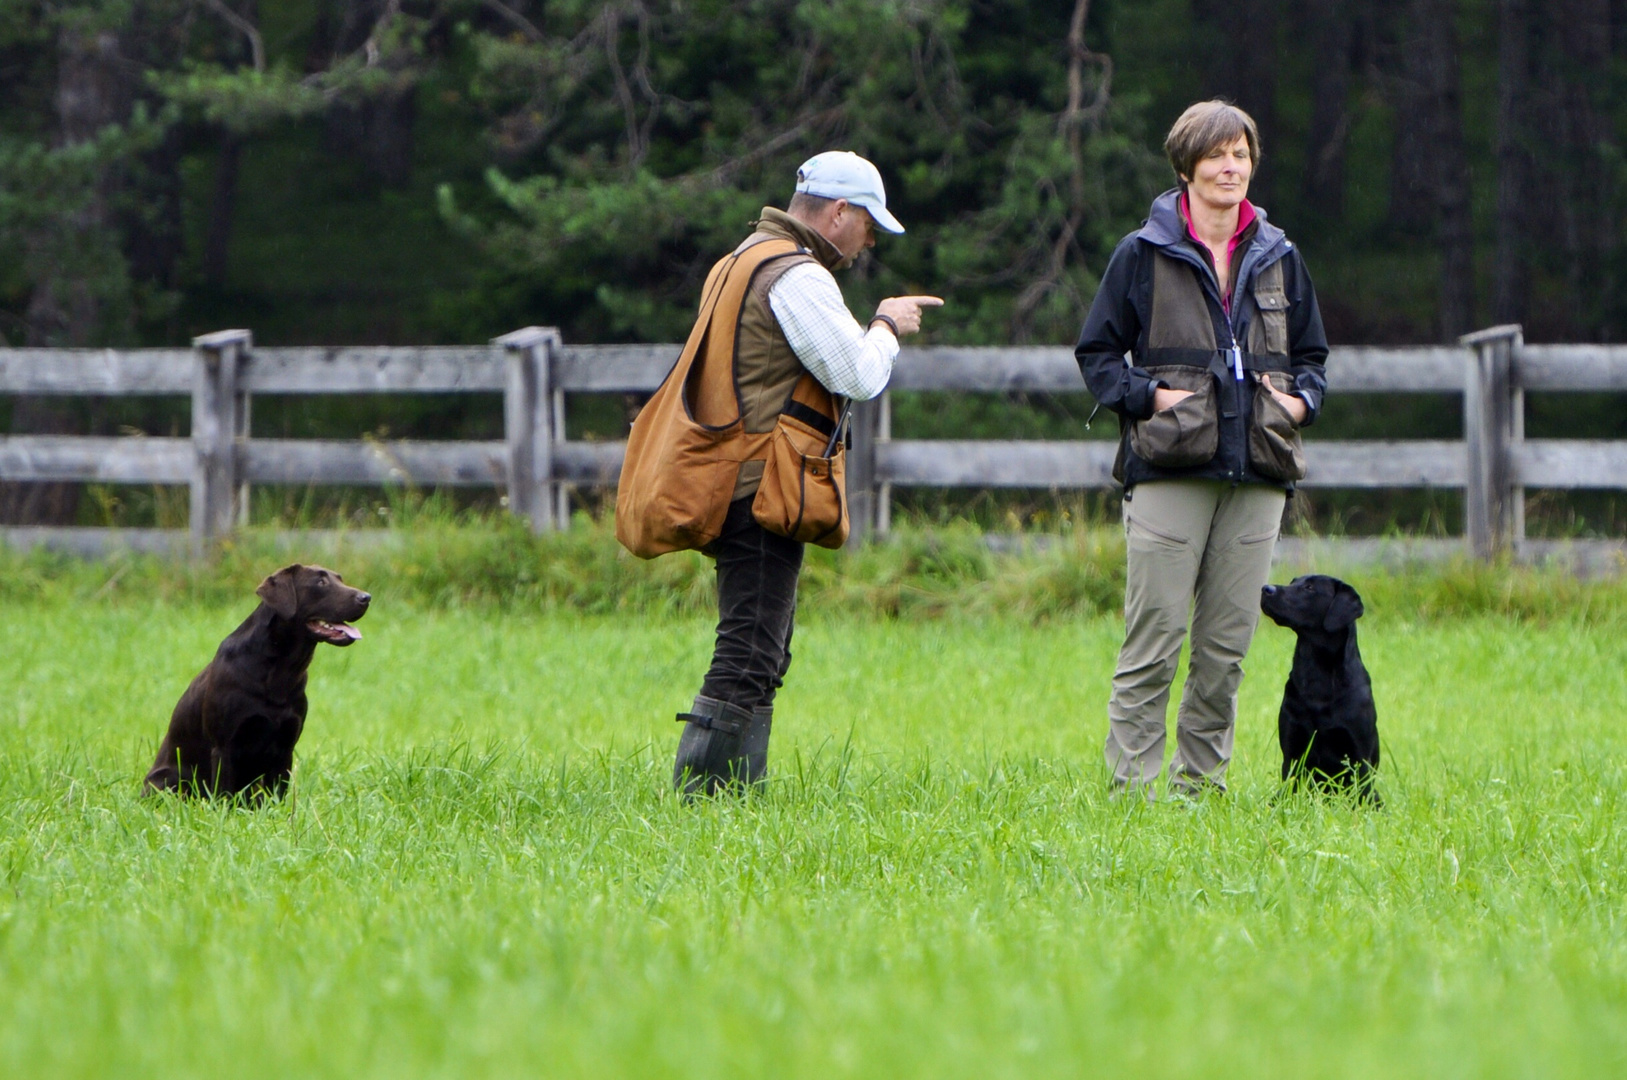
[[884, 219]]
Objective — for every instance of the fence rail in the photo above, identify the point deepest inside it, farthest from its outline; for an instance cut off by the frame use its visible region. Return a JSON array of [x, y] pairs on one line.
[[534, 371]]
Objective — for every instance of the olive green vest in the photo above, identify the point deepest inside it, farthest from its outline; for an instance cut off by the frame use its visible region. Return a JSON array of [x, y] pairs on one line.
[[766, 368], [1180, 316]]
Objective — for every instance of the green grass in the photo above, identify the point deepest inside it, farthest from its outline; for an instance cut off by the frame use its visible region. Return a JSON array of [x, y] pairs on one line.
[[432, 554], [482, 874]]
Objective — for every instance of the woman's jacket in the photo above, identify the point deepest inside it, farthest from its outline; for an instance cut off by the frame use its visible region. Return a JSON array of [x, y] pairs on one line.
[[1158, 321]]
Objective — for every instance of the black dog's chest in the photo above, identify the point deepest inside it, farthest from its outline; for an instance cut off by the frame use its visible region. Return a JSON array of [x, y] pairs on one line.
[[1328, 689]]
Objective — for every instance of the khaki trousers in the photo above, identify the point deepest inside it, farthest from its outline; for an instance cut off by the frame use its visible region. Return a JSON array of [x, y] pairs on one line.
[[1198, 548]]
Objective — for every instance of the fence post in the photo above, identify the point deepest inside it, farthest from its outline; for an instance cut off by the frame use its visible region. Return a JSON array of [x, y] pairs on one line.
[[528, 423], [1493, 423], [865, 425], [219, 425], [884, 491]]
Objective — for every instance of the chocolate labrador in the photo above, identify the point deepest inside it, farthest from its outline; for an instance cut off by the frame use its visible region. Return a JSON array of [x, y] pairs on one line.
[[235, 728], [1328, 725]]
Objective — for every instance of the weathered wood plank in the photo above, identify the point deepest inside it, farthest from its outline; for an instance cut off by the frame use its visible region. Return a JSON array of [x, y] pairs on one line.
[[428, 464], [527, 337], [1296, 554], [93, 543], [1047, 369], [1571, 367], [376, 370], [96, 371], [1052, 369], [528, 428], [640, 368], [948, 463], [1569, 463], [595, 463], [616, 369], [98, 459], [922, 462], [1584, 558], [965, 463], [220, 420], [1424, 369], [953, 463], [1374, 463]]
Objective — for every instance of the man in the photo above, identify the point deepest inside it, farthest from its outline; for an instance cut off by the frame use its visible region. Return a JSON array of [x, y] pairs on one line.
[[793, 321]]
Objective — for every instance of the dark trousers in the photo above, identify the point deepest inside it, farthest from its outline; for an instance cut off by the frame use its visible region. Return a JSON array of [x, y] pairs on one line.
[[756, 605]]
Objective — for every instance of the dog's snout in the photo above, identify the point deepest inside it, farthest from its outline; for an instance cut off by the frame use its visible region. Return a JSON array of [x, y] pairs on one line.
[[1269, 590], [364, 599]]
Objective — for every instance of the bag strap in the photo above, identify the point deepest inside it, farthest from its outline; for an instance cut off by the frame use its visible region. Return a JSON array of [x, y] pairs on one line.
[[836, 435], [714, 338], [811, 403]]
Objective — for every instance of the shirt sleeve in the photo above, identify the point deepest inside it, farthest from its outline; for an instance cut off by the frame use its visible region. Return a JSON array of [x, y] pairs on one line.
[[835, 349]]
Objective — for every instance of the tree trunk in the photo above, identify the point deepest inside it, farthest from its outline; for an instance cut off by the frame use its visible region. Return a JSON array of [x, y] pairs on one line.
[[1510, 277], [1331, 32], [1239, 38], [1582, 164], [1429, 188], [378, 132], [222, 206], [66, 307]]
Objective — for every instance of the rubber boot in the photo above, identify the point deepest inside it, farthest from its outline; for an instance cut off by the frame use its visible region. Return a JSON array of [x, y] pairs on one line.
[[709, 750], [754, 746]]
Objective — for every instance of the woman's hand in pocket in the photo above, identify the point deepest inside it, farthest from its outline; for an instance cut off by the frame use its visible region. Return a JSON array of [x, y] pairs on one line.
[[1293, 404], [1164, 398]]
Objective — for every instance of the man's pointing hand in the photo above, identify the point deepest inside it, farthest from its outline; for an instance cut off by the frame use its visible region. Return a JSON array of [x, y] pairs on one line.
[[905, 311]]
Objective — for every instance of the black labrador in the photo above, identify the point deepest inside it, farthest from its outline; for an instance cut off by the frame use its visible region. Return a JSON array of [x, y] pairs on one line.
[[1328, 725], [235, 728]]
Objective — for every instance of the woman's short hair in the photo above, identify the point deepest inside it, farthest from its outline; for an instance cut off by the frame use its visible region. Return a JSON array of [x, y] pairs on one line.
[[1204, 126]]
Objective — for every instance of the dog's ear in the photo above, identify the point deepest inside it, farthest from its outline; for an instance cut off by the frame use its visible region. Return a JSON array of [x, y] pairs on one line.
[[1343, 610], [278, 591]]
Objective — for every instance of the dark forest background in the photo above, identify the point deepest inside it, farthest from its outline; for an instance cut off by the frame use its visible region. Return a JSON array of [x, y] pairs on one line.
[[435, 171]]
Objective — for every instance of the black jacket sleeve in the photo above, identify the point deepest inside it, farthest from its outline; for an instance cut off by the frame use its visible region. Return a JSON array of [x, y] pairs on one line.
[[1110, 331], [1307, 341]]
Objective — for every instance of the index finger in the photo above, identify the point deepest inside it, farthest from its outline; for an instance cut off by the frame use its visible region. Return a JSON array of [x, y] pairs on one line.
[[924, 301]]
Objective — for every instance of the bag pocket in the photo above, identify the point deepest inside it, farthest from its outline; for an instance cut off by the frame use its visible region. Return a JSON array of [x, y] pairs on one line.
[[1185, 434], [1275, 447], [803, 494]]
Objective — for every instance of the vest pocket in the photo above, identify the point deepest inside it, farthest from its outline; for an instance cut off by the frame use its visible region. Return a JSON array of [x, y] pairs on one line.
[[1275, 447], [1273, 308], [1185, 434]]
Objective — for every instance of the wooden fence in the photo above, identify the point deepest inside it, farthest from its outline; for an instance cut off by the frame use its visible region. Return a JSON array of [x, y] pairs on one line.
[[535, 371]]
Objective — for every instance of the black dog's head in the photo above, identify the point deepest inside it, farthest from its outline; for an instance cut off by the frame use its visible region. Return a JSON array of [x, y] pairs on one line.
[[319, 599], [1314, 605]]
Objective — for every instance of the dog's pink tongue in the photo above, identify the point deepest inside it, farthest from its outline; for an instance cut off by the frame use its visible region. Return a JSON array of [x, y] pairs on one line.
[[334, 633]]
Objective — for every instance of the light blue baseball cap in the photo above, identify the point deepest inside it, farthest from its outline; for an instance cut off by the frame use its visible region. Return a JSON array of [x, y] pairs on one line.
[[842, 174]]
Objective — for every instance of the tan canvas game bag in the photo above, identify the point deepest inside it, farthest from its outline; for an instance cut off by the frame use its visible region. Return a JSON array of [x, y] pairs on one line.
[[687, 445]]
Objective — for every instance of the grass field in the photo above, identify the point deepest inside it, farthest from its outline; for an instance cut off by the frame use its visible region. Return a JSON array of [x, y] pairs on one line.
[[482, 872]]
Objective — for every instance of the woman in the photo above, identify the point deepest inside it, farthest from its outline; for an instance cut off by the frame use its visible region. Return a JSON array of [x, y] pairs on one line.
[[1214, 307]]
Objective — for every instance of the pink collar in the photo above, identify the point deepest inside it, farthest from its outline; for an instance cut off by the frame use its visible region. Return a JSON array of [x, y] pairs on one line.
[[1245, 218]]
